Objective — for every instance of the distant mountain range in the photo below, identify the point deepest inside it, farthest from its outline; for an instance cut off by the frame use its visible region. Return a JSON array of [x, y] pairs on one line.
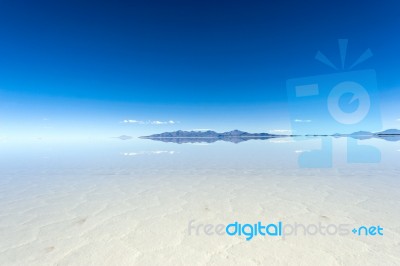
[[209, 136], [237, 136], [389, 135], [388, 132]]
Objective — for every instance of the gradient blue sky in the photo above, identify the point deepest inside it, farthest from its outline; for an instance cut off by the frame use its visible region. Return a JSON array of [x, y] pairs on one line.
[[70, 68]]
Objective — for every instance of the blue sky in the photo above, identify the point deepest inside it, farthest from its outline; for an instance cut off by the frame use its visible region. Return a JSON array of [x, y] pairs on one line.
[[81, 67]]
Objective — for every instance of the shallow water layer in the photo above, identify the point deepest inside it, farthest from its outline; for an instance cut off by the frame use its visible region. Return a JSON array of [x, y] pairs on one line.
[[139, 202]]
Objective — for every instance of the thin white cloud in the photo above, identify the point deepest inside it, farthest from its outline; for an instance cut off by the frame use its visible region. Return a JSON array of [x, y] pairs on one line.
[[161, 152], [130, 121], [302, 120], [301, 151], [147, 153], [158, 122], [149, 122], [280, 131], [281, 140], [130, 153], [398, 119]]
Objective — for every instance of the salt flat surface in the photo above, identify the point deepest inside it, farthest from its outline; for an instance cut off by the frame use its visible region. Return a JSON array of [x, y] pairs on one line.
[[122, 203]]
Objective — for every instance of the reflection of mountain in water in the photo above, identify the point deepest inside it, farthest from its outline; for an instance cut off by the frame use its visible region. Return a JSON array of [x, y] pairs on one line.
[[389, 135], [182, 140], [235, 136], [361, 135]]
